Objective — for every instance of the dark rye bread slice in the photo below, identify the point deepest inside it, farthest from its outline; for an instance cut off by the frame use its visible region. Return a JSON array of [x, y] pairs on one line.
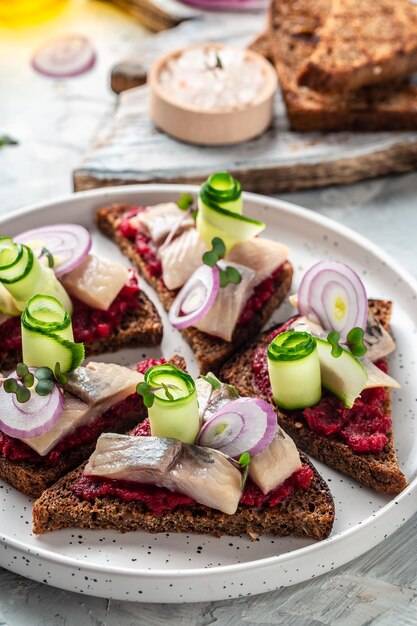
[[293, 30], [306, 513], [211, 352], [363, 43], [142, 328], [32, 479], [380, 472]]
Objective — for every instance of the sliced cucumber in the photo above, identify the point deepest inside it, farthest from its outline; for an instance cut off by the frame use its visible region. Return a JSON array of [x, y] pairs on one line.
[[23, 276], [222, 190], [229, 226], [7, 304], [177, 418], [47, 336], [294, 370], [344, 376]]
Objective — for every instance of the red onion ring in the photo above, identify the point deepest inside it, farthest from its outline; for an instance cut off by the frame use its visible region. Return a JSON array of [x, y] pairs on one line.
[[196, 297], [242, 425], [69, 244], [64, 57], [332, 294], [34, 417]]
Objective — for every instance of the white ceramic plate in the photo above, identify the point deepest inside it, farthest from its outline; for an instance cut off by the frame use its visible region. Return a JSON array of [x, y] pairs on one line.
[[180, 568]]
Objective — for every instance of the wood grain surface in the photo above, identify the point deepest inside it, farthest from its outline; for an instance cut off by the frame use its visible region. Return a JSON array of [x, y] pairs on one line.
[[129, 149]]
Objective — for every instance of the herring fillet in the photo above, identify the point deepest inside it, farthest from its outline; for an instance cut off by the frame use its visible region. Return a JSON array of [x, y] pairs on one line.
[[158, 221], [206, 475], [261, 255], [181, 258]]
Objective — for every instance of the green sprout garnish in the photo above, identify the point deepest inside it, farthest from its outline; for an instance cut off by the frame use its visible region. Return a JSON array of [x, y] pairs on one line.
[[244, 462], [185, 201], [49, 256], [219, 63], [233, 390], [212, 257], [333, 338], [6, 140], [216, 384], [244, 459], [148, 391], [46, 379], [354, 341]]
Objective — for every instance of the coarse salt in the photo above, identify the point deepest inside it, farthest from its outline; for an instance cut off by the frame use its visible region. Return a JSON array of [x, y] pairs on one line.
[[213, 79]]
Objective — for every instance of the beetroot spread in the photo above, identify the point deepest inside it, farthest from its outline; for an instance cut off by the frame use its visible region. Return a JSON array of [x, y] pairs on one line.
[[158, 500], [363, 428], [88, 324], [17, 450], [149, 253]]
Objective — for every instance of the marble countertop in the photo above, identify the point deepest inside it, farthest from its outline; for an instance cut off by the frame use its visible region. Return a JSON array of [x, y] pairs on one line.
[[54, 122]]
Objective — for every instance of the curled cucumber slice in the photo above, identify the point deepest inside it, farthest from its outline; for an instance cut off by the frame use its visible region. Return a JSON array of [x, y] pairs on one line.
[[47, 336]]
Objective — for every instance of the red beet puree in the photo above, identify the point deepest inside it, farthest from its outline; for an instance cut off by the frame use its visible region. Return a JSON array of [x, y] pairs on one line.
[[88, 324], [363, 428], [159, 500]]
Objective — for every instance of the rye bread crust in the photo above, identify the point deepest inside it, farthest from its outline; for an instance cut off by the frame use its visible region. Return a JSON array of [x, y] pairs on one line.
[[143, 328], [380, 472], [306, 513], [211, 352], [293, 27], [32, 479], [363, 43]]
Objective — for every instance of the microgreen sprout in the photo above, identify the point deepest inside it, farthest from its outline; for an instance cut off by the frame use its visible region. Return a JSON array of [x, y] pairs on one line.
[[216, 384], [354, 341], [185, 201], [148, 392], [211, 257], [45, 252], [25, 380], [244, 462]]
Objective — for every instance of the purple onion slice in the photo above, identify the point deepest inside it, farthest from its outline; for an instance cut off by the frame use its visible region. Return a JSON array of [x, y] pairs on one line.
[[242, 425], [64, 57], [69, 244], [196, 297], [332, 294], [32, 418]]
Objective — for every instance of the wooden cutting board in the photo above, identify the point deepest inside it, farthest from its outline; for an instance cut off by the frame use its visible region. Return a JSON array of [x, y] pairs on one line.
[[129, 149]]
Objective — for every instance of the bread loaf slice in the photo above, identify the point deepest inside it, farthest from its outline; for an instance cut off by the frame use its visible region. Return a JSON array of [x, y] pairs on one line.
[[362, 43], [211, 352], [306, 513], [293, 30], [380, 472]]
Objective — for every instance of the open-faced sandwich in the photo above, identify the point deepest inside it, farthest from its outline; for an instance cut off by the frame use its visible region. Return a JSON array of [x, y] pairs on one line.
[[333, 400], [52, 409], [224, 299], [107, 308], [206, 461]]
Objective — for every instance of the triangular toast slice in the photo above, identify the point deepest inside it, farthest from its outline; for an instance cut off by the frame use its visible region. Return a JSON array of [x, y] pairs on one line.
[[305, 513], [363, 43], [380, 472], [293, 31], [211, 352]]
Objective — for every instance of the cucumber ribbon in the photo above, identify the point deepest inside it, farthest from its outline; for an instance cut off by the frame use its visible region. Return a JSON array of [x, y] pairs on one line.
[[174, 412], [47, 335], [23, 276], [220, 209], [294, 370]]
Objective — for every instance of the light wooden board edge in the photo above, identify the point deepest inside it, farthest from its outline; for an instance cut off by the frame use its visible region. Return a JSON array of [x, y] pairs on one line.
[[397, 159]]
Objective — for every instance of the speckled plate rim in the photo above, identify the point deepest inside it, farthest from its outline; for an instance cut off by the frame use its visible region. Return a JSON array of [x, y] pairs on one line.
[[396, 512]]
